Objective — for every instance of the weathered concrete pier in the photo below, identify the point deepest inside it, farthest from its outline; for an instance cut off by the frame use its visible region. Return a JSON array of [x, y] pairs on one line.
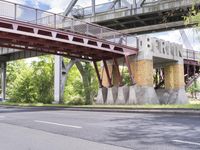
[[153, 54]]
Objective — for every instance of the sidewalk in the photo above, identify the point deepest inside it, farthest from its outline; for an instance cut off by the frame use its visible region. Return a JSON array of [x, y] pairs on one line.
[[184, 111]]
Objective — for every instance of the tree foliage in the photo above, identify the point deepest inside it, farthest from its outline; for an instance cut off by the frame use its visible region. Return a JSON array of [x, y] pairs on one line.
[[34, 82], [82, 84], [29, 83], [193, 16]]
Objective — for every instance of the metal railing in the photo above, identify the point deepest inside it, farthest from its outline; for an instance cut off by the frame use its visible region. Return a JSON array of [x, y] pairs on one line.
[[100, 8], [191, 54], [44, 18], [103, 8]]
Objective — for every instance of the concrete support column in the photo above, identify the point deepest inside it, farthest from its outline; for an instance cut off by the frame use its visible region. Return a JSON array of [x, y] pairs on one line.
[[174, 92], [174, 76], [142, 69], [3, 80], [143, 92], [169, 77], [143, 72], [57, 79], [112, 91]]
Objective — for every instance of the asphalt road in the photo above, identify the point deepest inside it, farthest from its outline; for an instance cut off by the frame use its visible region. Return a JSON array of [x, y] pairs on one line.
[[37, 129]]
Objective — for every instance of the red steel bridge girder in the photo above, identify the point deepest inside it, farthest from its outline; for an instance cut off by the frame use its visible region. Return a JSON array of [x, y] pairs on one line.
[[34, 36], [23, 34]]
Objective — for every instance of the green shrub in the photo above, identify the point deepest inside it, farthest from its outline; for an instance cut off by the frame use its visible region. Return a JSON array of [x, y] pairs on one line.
[[76, 100]]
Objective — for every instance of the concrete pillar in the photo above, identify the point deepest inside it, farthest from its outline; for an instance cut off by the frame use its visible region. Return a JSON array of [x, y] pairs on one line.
[[169, 77], [142, 69], [112, 92], [174, 76], [122, 95], [143, 72], [179, 76], [3, 80], [57, 79], [174, 92], [144, 91], [102, 95], [61, 71]]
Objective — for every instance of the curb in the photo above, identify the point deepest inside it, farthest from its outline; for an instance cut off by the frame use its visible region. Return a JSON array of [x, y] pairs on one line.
[[115, 110], [139, 110]]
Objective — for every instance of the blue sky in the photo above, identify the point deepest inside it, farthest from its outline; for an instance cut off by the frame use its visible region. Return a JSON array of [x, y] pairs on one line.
[[58, 6]]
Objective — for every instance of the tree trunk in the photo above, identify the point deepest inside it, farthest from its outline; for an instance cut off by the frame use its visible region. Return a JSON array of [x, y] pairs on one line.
[[85, 73]]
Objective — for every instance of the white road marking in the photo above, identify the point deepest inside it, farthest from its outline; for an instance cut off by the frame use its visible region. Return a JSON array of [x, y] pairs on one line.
[[186, 142], [58, 124]]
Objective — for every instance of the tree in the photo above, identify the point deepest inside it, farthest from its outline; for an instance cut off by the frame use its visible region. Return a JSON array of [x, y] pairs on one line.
[[34, 82], [193, 16], [85, 71], [31, 83], [43, 79], [20, 87]]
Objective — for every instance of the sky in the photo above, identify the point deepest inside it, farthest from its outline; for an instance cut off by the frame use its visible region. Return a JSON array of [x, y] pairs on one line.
[[58, 6]]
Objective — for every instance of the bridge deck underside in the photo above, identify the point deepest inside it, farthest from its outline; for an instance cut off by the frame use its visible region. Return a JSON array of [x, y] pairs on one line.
[[25, 36], [161, 62], [160, 17], [148, 19]]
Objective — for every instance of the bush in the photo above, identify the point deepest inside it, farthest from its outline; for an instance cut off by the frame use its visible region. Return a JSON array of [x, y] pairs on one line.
[[76, 100]]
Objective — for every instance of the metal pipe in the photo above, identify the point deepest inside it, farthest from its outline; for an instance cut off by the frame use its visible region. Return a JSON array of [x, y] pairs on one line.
[[93, 7]]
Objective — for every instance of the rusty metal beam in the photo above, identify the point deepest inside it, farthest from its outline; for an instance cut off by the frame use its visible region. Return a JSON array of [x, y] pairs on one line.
[[107, 73], [98, 75], [60, 47], [49, 33]]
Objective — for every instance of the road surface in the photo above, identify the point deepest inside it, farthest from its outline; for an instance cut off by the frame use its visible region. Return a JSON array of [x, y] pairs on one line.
[[38, 129]]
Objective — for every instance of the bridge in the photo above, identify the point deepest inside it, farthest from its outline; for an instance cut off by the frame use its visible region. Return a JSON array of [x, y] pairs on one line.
[[40, 32], [135, 16]]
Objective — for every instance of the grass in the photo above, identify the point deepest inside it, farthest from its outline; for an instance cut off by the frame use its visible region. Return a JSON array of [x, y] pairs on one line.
[[194, 104]]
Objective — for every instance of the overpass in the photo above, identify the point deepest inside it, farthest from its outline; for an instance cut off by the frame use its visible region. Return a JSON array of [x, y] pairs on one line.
[[138, 16], [42, 32], [27, 32]]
